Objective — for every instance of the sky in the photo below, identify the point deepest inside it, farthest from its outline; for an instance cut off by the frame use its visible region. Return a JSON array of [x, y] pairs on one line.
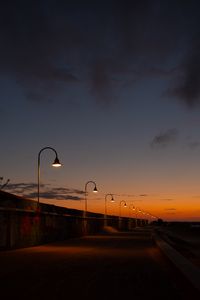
[[114, 88]]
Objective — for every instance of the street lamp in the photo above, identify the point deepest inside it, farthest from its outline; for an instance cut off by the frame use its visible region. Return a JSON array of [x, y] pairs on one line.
[[148, 217], [131, 207], [136, 214], [112, 200], [143, 218], [122, 201], [139, 211], [55, 164], [94, 191]]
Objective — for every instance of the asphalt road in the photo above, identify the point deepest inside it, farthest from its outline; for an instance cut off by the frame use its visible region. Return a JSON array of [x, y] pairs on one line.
[[114, 266]]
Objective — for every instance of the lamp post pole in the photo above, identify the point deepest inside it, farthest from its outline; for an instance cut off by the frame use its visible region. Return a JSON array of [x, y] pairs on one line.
[[148, 218], [135, 210], [85, 210], [94, 191], [112, 200], [56, 163], [139, 211], [131, 207], [122, 201], [143, 220]]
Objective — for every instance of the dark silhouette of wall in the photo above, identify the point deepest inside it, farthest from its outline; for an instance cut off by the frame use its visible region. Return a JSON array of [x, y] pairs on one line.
[[23, 225]]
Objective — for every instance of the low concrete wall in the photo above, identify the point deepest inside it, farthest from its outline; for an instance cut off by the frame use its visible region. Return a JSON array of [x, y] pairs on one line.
[[22, 225]]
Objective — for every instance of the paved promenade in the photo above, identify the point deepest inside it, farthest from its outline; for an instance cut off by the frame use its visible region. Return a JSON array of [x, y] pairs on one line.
[[112, 266]]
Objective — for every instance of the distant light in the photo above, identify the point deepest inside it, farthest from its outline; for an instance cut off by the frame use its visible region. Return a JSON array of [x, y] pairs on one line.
[[56, 163], [112, 200]]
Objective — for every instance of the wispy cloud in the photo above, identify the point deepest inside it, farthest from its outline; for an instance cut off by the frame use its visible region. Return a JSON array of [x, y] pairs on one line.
[[194, 145], [186, 87], [125, 195], [170, 209], [163, 139], [29, 190]]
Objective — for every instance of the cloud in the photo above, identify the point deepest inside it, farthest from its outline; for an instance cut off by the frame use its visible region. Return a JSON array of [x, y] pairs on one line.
[[53, 196], [187, 83], [29, 190], [163, 139], [104, 44], [124, 195], [194, 145], [28, 29], [170, 209]]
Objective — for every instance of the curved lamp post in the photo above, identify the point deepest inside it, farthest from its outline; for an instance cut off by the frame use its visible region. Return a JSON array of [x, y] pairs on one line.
[[94, 191], [122, 201], [56, 163], [112, 200], [143, 218], [148, 217], [138, 212], [136, 215], [131, 207]]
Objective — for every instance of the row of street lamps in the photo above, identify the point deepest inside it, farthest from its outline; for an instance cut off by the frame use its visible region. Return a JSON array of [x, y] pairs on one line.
[[57, 163]]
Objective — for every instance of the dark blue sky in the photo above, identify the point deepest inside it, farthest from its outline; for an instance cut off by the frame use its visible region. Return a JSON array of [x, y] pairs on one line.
[[114, 87]]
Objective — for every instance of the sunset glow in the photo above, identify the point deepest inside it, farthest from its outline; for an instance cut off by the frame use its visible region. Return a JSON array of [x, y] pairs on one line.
[[125, 80]]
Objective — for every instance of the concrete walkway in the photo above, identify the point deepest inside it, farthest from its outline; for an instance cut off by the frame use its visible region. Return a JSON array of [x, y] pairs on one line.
[[108, 266]]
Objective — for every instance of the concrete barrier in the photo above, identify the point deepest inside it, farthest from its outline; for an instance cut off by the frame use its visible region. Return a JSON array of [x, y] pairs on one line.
[[23, 225], [190, 271]]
